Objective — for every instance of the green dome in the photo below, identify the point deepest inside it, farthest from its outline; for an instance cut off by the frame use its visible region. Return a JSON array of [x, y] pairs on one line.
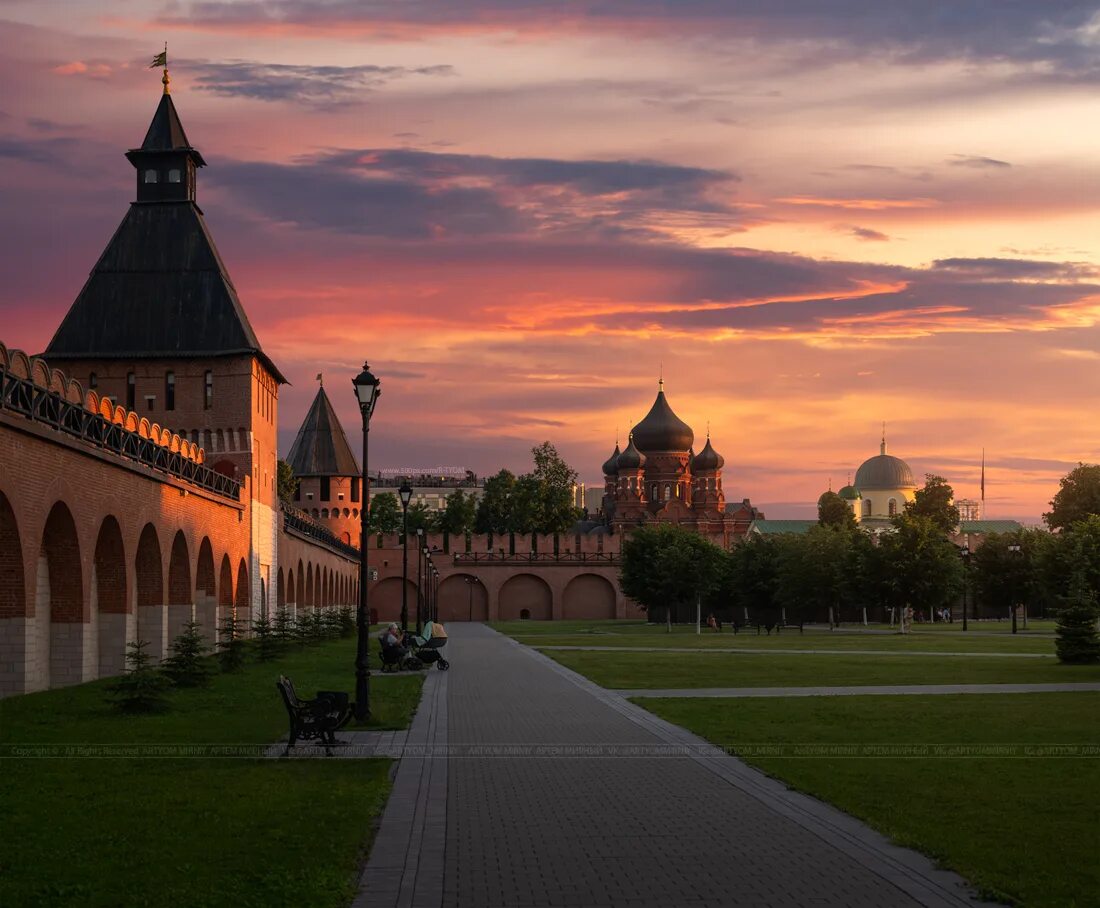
[[850, 493]]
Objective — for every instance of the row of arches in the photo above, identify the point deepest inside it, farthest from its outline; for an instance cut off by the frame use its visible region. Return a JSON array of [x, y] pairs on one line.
[[465, 597], [308, 586]]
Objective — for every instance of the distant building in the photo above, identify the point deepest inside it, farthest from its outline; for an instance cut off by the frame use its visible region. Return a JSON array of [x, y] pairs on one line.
[[429, 490], [969, 509]]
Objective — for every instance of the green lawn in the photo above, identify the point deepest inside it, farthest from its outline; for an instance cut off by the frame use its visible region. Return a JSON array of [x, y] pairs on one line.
[[690, 670], [1022, 828], [200, 830], [917, 642]]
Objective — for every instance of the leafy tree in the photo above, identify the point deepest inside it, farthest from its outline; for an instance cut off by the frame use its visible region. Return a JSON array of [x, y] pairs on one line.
[[923, 566], [555, 479], [753, 577], [524, 505], [459, 513], [813, 572], [142, 688], [421, 517], [230, 643], [188, 666], [494, 508], [1077, 640], [1077, 498], [832, 510], [936, 502], [385, 513], [286, 483], [665, 566], [1004, 578]]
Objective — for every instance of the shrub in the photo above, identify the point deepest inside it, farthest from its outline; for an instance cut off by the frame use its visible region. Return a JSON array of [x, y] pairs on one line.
[[188, 666], [283, 628], [268, 646], [230, 643], [1078, 642], [141, 689], [346, 617]]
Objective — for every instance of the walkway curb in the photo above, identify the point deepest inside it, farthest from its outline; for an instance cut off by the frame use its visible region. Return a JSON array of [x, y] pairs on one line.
[[406, 863], [900, 690]]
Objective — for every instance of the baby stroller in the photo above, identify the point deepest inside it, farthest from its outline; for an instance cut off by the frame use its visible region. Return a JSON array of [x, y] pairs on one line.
[[427, 648]]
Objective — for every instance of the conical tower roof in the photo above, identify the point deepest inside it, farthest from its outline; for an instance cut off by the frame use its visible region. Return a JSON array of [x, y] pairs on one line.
[[160, 290], [661, 429], [321, 447]]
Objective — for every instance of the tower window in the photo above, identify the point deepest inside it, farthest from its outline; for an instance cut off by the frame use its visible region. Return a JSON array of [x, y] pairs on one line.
[[668, 491], [298, 492], [150, 176], [173, 175], [93, 380], [326, 488], [893, 508], [355, 488], [208, 391], [131, 390], [170, 391]]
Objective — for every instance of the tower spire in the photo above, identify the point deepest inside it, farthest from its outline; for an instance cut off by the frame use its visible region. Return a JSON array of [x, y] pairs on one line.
[[165, 79], [882, 447], [661, 377]]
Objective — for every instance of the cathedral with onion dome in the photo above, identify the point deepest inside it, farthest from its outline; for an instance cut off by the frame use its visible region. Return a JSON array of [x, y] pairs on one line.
[[658, 478]]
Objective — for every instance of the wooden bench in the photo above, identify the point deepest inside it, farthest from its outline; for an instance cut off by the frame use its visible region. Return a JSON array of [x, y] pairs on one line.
[[314, 720]]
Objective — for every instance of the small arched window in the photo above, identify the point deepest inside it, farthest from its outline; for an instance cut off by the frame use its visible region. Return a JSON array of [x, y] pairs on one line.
[[668, 491], [866, 507], [93, 380], [174, 175], [150, 176], [655, 494], [324, 513], [893, 507], [169, 390]]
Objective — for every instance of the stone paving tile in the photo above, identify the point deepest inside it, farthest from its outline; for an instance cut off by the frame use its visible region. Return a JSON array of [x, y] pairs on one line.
[[568, 830], [861, 691]]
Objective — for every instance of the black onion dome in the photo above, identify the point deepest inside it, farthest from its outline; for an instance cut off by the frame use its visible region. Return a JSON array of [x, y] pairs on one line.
[[708, 459], [631, 458], [663, 430], [610, 466]]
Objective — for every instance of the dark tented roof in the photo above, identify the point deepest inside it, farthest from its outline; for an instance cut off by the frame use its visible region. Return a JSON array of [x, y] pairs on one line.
[[159, 290], [321, 448], [166, 131]]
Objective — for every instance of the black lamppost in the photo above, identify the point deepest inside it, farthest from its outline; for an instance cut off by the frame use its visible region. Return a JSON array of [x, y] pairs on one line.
[[435, 594], [470, 581], [427, 575], [420, 550], [965, 555], [405, 493], [1014, 550], [367, 392]]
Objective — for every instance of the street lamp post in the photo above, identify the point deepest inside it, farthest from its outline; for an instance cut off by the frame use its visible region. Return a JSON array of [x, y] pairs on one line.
[[1014, 550], [435, 594], [427, 579], [965, 555], [470, 581], [419, 579], [405, 493], [367, 391]]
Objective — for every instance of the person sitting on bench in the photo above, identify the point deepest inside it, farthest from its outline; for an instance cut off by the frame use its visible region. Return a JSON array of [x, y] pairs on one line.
[[393, 644]]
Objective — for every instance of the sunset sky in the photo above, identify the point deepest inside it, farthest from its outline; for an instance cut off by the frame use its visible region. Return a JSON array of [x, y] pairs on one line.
[[520, 212]]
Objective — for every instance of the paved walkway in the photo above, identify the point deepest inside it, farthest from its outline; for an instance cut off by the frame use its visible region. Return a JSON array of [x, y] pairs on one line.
[[554, 791], [762, 651], [867, 690]]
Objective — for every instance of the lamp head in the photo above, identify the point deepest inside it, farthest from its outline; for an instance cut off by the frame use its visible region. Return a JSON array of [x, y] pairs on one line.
[[405, 493], [367, 390]]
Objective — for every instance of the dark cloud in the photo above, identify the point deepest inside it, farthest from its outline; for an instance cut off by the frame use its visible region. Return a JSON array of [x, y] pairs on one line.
[[405, 193], [1053, 32], [999, 269], [977, 161], [36, 151], [300, 84], [866, 233]]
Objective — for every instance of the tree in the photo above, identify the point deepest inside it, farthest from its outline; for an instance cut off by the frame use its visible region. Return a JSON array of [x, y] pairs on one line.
[[230, 644], [268, 645], [923, 566], [752, 581], [421, 517], [142, 688], [936, 502], [459, 513], [495, 505], [555, 479], [1078, 642], [286, 482], [188, 666], [1004, 578], [385, 513], [1077, 498], [813, 572], [832, 510], [665, 566]]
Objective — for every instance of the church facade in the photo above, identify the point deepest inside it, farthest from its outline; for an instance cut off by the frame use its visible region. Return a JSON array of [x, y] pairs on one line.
[[658, 478]]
